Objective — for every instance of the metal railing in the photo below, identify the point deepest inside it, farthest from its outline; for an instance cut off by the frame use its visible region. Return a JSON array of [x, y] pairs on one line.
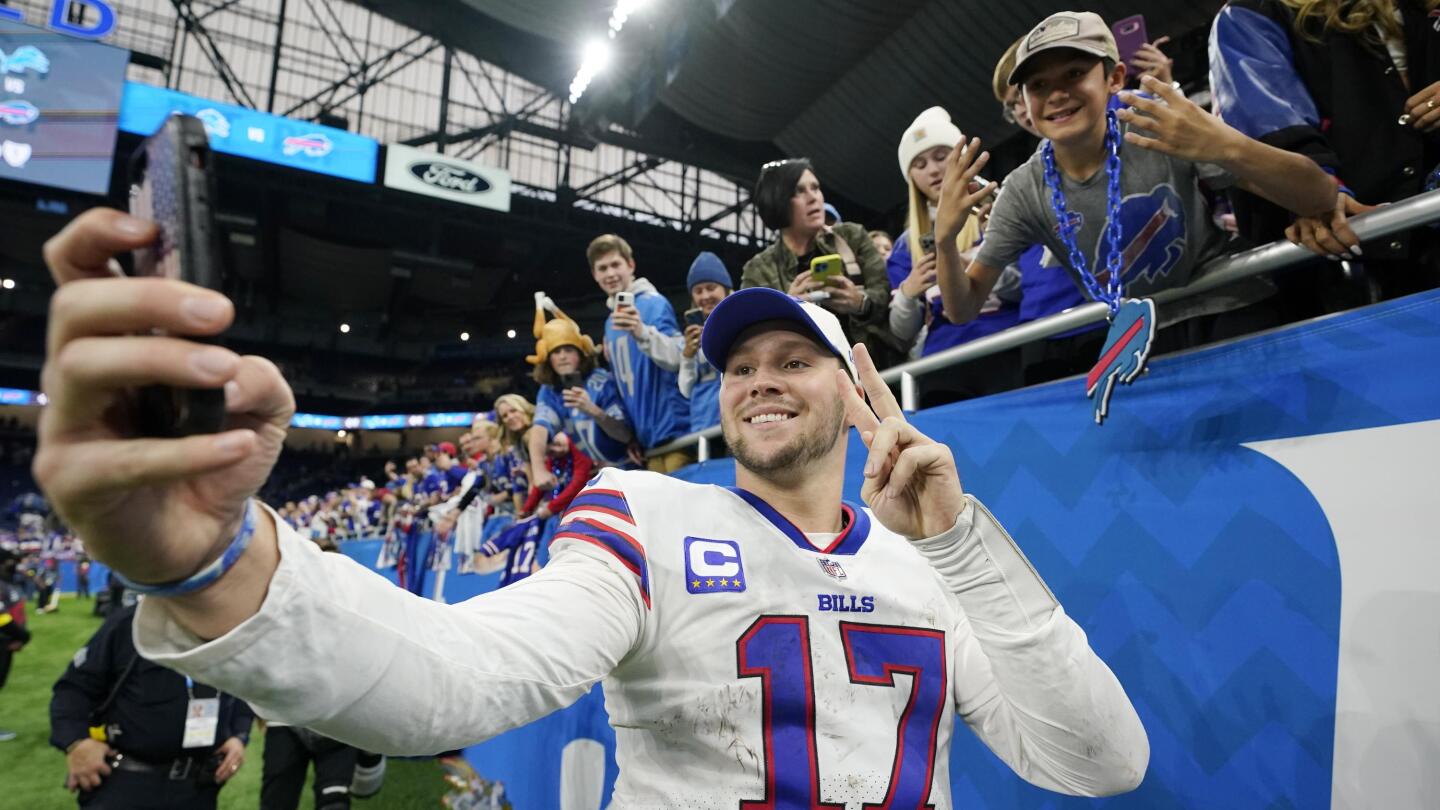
[[1390, 219]]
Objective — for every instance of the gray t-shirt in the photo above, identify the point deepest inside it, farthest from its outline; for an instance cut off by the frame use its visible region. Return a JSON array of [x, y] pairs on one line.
[[1167, 232]]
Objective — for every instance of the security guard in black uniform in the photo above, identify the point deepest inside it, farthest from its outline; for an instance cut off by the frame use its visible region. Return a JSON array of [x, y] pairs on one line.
[[137, 736]]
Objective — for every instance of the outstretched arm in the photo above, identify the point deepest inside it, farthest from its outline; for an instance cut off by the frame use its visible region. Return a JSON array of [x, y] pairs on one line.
[[1179, 128], [490, 664]]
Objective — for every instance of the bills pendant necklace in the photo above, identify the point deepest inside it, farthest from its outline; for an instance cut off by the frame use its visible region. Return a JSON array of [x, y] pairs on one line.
[[1132, 320]]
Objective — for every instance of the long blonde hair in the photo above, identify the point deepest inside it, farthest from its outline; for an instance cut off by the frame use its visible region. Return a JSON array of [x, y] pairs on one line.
[[917, 223], [1314, 17], [508, 437]]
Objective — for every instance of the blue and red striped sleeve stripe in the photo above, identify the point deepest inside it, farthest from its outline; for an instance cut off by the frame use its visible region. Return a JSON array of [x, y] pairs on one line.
[[605, 501], [621, 545]]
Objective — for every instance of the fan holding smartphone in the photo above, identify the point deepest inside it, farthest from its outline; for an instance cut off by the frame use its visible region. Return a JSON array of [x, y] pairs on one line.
[[709, 283], [576, 396], [1141, 56]]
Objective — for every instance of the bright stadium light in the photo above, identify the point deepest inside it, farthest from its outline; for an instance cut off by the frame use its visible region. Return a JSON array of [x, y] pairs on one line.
[[464, 336], [622, 12], [597, 54], [510, 334], [344, 328], [340, 434], [8, 283], [593, 60]]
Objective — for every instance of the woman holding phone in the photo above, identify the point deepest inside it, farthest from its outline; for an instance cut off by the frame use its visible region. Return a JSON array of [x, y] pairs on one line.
[[576, 397], [924, 146], [852, 275]]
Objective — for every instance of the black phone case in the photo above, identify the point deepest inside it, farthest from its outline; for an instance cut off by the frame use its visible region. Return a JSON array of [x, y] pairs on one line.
[[172, 183]]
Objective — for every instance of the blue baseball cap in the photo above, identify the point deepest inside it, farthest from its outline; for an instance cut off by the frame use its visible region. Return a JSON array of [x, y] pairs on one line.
[[741, 310]]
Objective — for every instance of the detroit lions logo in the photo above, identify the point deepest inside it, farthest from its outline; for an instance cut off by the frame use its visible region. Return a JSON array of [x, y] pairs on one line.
[[1152, 228], [26, 57]]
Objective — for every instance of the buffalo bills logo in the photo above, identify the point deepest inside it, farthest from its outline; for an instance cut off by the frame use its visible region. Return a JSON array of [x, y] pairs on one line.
[[1127, 347], [1152, 241], [18, 113], [314, 145], [1077, 222]]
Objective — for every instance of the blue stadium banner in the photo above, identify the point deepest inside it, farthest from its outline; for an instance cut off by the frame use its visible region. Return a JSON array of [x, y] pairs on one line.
[[252, 134]]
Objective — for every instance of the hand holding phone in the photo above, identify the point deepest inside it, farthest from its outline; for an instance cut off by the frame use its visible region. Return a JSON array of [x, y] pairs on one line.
[[824, 268], [172, 183], [927, 243], [1130, 34], [624, 299], [695, 316]]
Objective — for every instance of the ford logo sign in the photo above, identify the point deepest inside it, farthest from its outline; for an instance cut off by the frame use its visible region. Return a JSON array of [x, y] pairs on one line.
[[449, 177]]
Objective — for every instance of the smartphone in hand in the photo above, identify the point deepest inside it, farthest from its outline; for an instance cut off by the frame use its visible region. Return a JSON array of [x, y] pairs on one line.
[[927, 243], [824, 268], [172, 183], [624, 299], [1130, 34], [695, 316]]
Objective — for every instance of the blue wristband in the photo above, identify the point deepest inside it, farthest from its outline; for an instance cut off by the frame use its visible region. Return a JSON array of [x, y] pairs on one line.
[[207, 575]]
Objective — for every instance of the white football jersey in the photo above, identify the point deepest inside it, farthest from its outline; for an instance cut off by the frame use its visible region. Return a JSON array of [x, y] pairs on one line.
[[768, 669], [742, 666]]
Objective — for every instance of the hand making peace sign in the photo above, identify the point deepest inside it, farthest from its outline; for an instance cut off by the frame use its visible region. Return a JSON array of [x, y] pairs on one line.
[[911, 484]]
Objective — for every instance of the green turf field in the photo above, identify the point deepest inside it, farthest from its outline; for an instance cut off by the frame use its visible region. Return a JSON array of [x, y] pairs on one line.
[[35, 772]]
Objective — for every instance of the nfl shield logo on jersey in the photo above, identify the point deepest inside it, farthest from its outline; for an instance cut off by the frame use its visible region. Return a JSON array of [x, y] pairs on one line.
[[712, 566], [832, 568]]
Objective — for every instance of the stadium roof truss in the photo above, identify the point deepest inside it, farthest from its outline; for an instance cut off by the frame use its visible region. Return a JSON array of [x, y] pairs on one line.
[[343, 64]]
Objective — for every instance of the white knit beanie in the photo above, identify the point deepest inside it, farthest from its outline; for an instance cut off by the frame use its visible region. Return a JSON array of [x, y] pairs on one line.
[[930, 129]]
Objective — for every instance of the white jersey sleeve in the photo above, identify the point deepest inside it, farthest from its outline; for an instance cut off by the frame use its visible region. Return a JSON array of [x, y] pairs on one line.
[[339, 649], [1026, 681]]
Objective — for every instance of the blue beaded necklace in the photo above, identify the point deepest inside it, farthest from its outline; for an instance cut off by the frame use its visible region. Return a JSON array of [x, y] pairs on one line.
[[1115, 289], [1132, 321]]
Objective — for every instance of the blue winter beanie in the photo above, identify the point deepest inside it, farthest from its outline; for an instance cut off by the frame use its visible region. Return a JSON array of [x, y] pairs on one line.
[[708, 267]]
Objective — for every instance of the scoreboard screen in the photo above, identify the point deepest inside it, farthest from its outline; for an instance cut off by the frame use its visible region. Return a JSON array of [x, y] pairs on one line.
[[59, 107]]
